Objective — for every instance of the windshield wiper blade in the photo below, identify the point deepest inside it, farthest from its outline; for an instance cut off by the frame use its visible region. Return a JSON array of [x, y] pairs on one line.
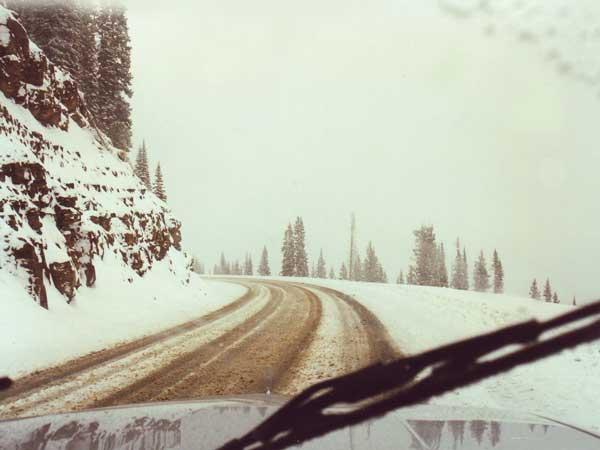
[[380, 388]]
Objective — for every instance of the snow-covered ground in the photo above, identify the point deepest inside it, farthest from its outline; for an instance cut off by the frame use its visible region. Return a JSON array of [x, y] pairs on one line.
[[113, 312], [564, 387]]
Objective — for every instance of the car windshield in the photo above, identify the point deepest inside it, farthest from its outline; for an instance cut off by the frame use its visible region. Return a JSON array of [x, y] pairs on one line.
[[211, 199]]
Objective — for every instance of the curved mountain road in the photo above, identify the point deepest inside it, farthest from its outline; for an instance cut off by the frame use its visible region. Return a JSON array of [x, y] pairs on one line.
[[279, 337]]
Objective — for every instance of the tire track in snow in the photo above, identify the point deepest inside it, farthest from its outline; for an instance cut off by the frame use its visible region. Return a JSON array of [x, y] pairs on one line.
[[250, 358], [348, 338]]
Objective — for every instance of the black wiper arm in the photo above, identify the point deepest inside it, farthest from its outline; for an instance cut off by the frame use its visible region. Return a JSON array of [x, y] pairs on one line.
[[383, 387]]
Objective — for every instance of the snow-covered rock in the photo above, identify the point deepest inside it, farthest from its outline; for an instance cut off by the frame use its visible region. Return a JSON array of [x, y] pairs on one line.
[[67, 197]]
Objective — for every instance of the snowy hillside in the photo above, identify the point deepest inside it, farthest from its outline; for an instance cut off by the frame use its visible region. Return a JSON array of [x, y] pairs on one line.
[[564, 387], [67, 197], [89, 256]]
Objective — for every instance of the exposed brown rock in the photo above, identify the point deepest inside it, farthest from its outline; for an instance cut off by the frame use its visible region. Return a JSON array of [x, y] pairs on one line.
[[38, 199], [64, 278]]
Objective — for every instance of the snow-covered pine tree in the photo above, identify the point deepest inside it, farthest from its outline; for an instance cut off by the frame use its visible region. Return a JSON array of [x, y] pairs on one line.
[[547, 291], [353, 252], [223, 265], [159, 185], [555, 298], [248, 267], [411, 278], [534, 291], [481, 278], [357, 267], [114, 75], [313, 271], [216, 270], [424, 254], [54, 26], [370, 269], [343, 275], [88, 56], [300, 257], [263, 269], [288, 265], [196, 266], [400, 278], [498, 273], [331, 273], [141, 168], [457, 269], [442, 271], [236, 269], [465, 271], [321, 268], [381, 275]]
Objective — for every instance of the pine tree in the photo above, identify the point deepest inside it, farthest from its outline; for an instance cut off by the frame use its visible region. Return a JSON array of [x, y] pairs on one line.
[[574, 301], [425, 253], [114, 76], [287, 250], [353, 254], [343, 272], [159, 186], [263, 269], [481, 278], [300, 258], [357, 267], [555, 298], [457, 269], [372, 270], [400, 279], [196, 266], [411, 278], [54, 27], [321, 268], [441, 270], [465, 271], [141, 168], [224, 266], [498, 274], [381, 275], [331, 273], [248, 267], [534, 291], [370, 264], [88, 57], [547, 291]]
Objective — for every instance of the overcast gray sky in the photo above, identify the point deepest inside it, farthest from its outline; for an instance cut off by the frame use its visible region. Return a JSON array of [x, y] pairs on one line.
[[261, 111]]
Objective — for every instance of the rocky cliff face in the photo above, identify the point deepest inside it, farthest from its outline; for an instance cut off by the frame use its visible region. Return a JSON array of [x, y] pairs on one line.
[[66, 196]]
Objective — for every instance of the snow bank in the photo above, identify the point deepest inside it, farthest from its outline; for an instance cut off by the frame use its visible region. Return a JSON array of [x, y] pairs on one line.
[[113, 312]]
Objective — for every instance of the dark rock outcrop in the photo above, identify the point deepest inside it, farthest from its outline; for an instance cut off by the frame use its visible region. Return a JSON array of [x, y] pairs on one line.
[[67, 198]]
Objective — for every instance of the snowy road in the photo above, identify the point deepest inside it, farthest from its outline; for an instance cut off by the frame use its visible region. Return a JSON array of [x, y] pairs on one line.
[[278, 337]]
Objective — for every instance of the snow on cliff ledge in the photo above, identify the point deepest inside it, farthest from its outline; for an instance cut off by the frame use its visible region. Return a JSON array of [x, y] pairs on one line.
[[67, 198]]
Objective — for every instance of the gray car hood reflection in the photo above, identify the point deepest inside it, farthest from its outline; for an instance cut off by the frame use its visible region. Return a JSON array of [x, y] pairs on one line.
[[209, 423]]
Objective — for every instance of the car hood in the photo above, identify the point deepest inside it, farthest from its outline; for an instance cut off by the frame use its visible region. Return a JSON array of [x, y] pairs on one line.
[[209, 423]]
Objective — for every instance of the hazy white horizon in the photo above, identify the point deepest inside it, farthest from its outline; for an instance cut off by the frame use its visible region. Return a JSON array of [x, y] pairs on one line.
[[262, 111]]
